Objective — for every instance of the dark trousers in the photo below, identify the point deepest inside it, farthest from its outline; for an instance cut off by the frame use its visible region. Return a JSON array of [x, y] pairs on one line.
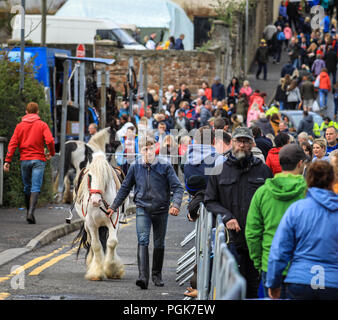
[[293, 23], [305, 292], [249, 272], [278, 53], [292, 105], [260, 67], [333, 74]]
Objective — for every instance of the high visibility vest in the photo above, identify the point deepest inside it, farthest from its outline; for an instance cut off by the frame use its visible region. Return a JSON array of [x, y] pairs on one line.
[[316, 130], [271, 111], [324, 126]]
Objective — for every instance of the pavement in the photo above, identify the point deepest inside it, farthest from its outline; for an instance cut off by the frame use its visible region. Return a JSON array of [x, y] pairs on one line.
[[17, 237]]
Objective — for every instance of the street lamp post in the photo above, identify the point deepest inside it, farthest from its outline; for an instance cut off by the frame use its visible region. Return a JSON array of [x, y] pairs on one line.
[[21, 9]]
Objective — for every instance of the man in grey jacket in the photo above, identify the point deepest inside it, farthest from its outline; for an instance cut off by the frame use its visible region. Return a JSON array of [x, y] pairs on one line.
[[307, 92], [306, 124], [205, 114]]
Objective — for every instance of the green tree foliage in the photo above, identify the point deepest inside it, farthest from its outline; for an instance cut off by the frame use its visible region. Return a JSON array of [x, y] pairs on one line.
[[12, 108], [227, 10]]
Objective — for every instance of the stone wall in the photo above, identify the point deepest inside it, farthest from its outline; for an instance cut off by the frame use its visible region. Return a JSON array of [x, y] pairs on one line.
[[223, 56], [178, 66]]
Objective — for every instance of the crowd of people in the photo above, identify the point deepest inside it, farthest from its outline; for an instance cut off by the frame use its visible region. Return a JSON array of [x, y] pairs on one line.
[[171, 44], [275, 186], [245, 161], [312, 57]]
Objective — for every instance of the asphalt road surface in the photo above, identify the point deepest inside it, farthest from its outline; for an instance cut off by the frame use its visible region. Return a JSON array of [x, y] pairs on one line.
[[53, 272]]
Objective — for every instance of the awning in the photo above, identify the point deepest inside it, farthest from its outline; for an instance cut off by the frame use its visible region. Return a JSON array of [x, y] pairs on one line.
[[93, 60]]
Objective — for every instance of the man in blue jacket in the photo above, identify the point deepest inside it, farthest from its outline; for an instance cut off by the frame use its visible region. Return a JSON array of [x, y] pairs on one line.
[[153, 178], [218, 90], [179, 43]]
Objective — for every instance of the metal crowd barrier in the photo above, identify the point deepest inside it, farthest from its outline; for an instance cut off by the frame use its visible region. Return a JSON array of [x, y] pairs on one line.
[[203, 245], [218, 277], [226, 281]]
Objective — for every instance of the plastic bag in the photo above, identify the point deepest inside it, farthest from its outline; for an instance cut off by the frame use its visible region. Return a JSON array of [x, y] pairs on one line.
[[315, 106]]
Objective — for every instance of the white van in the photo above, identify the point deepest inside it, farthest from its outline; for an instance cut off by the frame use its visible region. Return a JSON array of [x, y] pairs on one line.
[[72, 30]]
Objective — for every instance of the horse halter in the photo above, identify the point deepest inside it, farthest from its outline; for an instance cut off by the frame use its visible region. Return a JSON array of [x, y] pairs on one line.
[[105, 203]]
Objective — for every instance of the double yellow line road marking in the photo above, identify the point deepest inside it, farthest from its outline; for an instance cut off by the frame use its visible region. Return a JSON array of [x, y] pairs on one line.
[[46, 265]]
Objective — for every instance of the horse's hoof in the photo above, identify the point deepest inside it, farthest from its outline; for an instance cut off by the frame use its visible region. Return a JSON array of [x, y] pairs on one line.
[[95, 279], [115, 275]]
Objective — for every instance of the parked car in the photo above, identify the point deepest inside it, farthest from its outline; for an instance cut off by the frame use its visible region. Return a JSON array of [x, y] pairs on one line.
[[295, 116]]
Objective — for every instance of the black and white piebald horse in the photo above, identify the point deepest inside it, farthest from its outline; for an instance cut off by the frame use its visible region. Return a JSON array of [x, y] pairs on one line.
[[78, 154]]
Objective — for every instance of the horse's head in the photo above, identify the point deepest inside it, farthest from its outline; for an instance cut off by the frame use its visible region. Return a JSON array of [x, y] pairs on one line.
[[114, 142], [99, 180]]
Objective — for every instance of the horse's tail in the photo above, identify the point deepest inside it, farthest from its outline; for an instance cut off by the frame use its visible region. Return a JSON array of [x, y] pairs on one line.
[[82, 237], [70, 147]]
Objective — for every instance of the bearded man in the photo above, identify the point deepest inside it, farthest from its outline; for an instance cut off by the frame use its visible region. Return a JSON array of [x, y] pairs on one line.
[[229, 194]]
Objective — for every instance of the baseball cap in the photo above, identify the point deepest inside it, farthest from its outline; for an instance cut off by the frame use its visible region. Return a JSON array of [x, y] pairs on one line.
[[243, 132], [291, 153]]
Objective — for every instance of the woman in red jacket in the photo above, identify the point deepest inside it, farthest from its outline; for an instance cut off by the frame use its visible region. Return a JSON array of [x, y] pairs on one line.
[[207, 90], [30, 135], [324, 88], [272, 160]]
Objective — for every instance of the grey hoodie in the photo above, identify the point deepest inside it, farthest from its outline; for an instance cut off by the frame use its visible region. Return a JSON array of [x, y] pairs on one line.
[[306, 125]]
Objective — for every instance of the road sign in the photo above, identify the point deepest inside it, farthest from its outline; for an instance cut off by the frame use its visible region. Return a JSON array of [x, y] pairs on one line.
[[80, 51]]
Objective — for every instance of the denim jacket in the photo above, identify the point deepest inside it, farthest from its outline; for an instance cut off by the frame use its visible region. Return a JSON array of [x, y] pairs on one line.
[[153, 183]]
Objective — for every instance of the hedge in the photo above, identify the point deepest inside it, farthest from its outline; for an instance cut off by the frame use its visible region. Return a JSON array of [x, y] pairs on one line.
[[12, 108]]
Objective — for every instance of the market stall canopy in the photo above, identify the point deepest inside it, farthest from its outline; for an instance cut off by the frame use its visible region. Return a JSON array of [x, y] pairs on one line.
[[32, 6], [163, 14]]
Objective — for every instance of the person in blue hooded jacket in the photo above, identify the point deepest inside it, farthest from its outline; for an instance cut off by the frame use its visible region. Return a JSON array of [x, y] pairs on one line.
[[307, 237], [201, 156]]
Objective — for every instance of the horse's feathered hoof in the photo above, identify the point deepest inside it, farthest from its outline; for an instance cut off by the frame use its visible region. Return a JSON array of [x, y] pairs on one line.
[[95, 279], [116, 274], [94, 276]]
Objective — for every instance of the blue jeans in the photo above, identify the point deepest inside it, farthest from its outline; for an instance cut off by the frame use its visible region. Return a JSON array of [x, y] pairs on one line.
[[32, 175], [296, 63], [323, 93], [144, 220], [305, 292], [283, 294]]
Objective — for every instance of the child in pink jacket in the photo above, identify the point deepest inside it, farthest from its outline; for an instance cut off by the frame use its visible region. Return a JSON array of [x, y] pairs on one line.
[[287, 32]]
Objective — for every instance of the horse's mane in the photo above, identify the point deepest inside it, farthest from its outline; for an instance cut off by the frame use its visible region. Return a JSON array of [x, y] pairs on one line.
[[99, 168], [99, 139]]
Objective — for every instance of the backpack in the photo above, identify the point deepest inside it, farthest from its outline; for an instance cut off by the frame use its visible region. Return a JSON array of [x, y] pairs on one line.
[[281, 36]]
